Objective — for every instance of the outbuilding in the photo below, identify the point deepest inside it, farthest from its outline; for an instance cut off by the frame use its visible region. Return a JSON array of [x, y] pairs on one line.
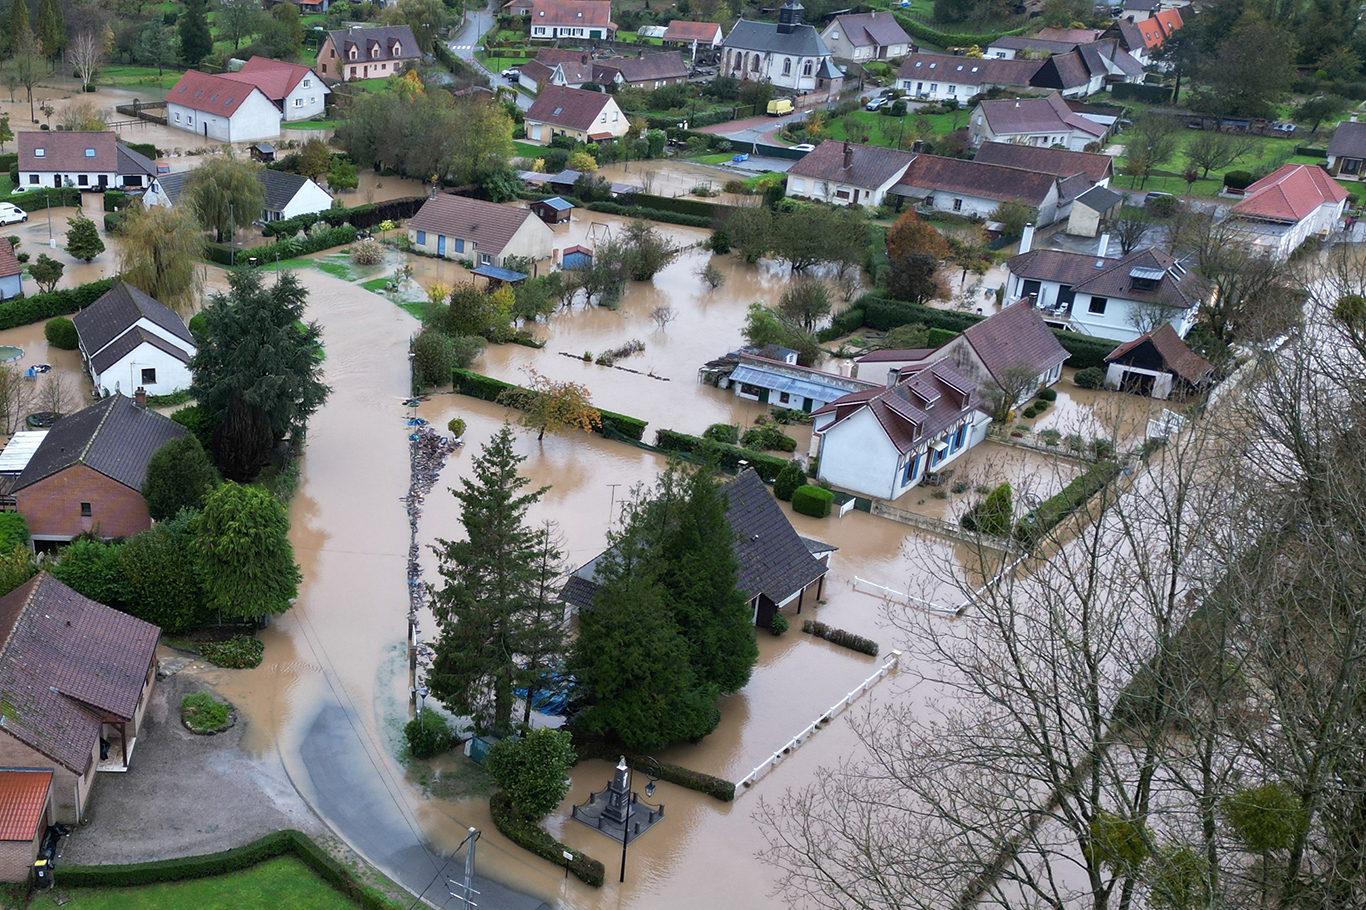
[[1157, 364], [553, 210]]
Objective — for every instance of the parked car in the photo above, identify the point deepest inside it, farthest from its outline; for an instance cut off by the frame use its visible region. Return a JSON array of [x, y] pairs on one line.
[[1286, 128], [12, 214], [743, 156], [804, 147], [512, 73], [877, 104]]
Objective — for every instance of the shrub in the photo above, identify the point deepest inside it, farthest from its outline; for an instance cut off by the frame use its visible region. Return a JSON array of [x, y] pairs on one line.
[[778, 624], [241, 652], [992, 515], [722, 432], [840, 637], [769, 439], [1238, 180], [812, 500], [1049, 513], [428, 735], [1050, 437], [202, 713], [456, 427], [13, 531], [533, 770], [1090, 378], [196, 326], [789, 478], [530, 836], [1048, 394], [486, 388], [367, 252], [198, 421], [591, 746], [1162, 206], [726, 456], [113, 222]]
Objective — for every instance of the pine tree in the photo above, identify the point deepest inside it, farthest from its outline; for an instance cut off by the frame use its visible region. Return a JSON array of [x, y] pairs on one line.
[[18, 22], [245, 559], [490, 609], [50, 27], [83, 239], [196, 41]]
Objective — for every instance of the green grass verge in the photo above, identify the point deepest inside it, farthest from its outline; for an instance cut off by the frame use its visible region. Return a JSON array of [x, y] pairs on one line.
[[137, 78], [497, 64], [375, 285], [527, 150], [718, 158], [335, 269], [312, 125]]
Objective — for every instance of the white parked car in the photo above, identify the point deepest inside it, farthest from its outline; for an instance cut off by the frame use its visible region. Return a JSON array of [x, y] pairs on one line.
[[11, 213], [876, 104], [804, 147]]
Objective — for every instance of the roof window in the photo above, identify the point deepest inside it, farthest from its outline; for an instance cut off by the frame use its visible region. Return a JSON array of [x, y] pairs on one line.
[[40, 153], [90, 153], [214, 97], [558, 110]]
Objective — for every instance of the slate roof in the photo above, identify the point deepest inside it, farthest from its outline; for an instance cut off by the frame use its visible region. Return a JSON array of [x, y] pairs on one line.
[[488, 224], [364, 39], [23, 797], [1062, 162], [1036, 115], [1014, 337], [773, 560], [65, 151], [1176, 356], [63, 651], [648, 68], [572, 108], [553, 55], [281, 187], [1131, 36], [802, 41], [210, 94], [933, 174], [117, 311], [9, 263], [1100, 198], [1289, 193], [538, 72], [583, 13], [114, 437], [987, 71], [1349, 140], [904, 411], [871, 166], [129, 342], [173, 184], [1179, 287], [679, 30], [872, 30], [1018, 43], [131, 162]]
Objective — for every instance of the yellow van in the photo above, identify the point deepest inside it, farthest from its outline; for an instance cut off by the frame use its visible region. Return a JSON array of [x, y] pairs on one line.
[[780, 106]]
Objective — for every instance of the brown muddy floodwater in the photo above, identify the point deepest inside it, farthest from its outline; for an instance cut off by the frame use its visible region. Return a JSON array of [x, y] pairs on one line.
[[343, 641]]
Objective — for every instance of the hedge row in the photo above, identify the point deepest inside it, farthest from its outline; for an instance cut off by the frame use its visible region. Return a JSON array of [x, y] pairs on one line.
[[1083, 350], [946, 40], [277, 843], [362, 216], [37, 200], [637, 211], [24, 310], [1148, 94], [727, 456], [680, 204], [591, 746], [840, 637], [1049, 513], [477, 385], [812, 500], [1311, 152], [532, 837], [221, 253]]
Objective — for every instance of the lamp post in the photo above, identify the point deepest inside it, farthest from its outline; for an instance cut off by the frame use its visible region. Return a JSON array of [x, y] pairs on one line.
[[47, 198], [232, 238], [630, 800]]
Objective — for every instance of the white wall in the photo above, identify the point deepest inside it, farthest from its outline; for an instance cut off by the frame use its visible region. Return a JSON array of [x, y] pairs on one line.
[[770, 69], [828, 191], [310, 198], [307, 100], [1122, 320], [534, 238], [172, 375], [47, 178], [858, 456], [256, 119], [939, 90]]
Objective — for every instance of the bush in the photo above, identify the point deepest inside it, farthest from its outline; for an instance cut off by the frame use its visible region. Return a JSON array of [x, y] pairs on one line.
[[428, 735], [768, 439], [456, 427], [486, 388], [992, 515], [198, 421], [789, 478], [13, 531], [1048, 394], [812, 500], [726, 456], [530, 836], [533, 770], [202, 713], [1090, 378], [778, 624], [367, 252], [1049, 513], [1162, 206], [241, 652], [592, 746], [722, 432], [1238, 180], [25, 310], [60, 332], [113, 222], [840, 637]]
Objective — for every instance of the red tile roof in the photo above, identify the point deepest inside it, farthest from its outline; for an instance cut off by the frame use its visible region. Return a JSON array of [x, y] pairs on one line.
[[680, 30], [1013, 338], [911, 413], [210, 94], [1290, 193], [1061, 162], [274, 78], [23, 801], [9, 264], [583, 13], [63, 151]]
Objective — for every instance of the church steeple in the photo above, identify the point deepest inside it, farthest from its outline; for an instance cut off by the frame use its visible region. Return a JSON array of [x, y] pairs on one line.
[[790, 16]]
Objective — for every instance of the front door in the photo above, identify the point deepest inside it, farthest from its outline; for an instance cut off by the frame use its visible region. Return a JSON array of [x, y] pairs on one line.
[[441, 246]]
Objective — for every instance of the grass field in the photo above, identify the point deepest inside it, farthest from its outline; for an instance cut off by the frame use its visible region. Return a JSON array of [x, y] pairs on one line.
[[277, 883], [137, 77], [312, 125], [886, 131], [1168, 178], [527, 150], [496, 65]]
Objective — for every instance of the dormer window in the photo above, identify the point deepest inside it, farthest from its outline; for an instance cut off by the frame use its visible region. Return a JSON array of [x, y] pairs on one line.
[[354, 55], [1141, 279], [397, 49]]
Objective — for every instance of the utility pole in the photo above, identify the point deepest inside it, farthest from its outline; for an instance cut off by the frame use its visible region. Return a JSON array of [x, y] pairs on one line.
[[232, 239]]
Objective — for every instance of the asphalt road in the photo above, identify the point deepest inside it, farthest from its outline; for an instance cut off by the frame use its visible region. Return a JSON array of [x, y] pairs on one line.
[[466, 42]]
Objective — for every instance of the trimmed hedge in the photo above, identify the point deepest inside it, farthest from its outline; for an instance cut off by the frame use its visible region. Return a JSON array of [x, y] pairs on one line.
[[850, 320], [630, 427], [37, 200], [533, 838], [1148, 94], [812, 500], [726, 456], [24, 310], [1309, 152], [939, 337], [282, 249], [277, 843], [636, 211], [360, 216], [840, 637], [1050, 513], [680, 204], [477, 385], [594, 746], [60, 332]]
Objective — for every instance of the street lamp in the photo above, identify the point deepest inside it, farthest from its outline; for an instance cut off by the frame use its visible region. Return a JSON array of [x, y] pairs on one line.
[[614, 808], [649, 792]]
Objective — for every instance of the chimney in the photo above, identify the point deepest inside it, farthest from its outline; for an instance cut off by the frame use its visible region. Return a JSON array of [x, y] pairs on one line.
[[555, 256], [848, 156], [1104, 246], [1027, 238], [140, 397]]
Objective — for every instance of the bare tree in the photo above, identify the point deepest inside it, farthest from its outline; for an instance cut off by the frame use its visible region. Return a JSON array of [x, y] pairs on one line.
[[1130, 233], [663, 315], [713, 276], [86, 54], [16, 398], [55, 393]]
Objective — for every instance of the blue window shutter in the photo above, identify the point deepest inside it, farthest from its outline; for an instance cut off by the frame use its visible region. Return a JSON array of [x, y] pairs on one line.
[[421, 238], [459, 245]]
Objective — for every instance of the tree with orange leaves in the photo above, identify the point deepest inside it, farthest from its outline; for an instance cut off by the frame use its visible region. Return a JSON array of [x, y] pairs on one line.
[[551, 406], [914, 251]]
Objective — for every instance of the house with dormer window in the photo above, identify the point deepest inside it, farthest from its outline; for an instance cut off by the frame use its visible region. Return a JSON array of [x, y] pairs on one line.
[[375, 52], [84, 159]]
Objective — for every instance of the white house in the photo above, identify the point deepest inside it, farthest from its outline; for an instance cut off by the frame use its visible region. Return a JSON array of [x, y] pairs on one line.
[[865, 37], [220, 108], [1287, 207], [296, 90], [585, 19], [1347, 150], [706, 36], [1119, 299], [128, 340], [1157, 364], [1044, 122], [787, 54], [1098, 169], [286, 195], [772, 376], [457, 227], [11, 272], [882, 442], [84, 159], [972, 189], [944, 77], [843, 173]]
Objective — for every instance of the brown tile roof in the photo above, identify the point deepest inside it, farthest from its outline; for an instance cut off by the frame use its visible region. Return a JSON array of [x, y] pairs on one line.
[[1076, 35], [896, 355], [375, 43], [210, 94], [972, 178], [65, 656], [64, 151], [648, 68], [1029, 115], [871, 166], [572, 108], [274, 78], [1013, 338], [914, 411], [680, 30], [1349, 140], [488, 224], [872, 30], [989, 71], [538, 72], [1179, 287], [1061, 162], [584, 13], [1176, 356], [114, 437], [9, 263], [23, 801], [1290, 193], [553, 55]]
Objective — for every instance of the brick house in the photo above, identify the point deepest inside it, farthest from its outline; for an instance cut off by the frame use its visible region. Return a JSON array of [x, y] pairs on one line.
[[25, 813], [77, 678], [87, 474], [375, 52]]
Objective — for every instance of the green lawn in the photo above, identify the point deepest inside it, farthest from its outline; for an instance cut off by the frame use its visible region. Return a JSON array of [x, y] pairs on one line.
[[311, 125], [137, 77], [633, 37], [375, 285], [277, 883], [527, 150], [885, 131], [1168, 179], [496, 65], [717, 158]]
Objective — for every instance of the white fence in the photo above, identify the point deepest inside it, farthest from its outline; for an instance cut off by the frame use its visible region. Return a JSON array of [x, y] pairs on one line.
[[810, 729]]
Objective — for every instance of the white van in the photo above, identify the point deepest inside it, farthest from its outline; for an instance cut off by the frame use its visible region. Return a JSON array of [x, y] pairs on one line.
[[11, 213]]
